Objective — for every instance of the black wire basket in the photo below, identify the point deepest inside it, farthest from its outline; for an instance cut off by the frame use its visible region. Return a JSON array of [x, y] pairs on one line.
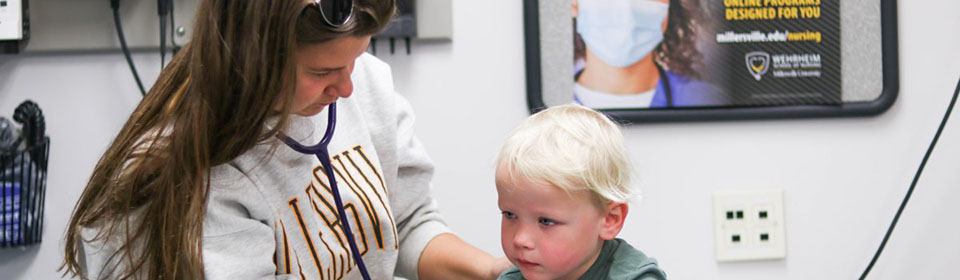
[[23, 187]]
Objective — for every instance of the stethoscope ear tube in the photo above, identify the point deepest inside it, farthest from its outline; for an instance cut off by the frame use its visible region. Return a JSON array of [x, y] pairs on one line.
[[666, 84], [320, 150]]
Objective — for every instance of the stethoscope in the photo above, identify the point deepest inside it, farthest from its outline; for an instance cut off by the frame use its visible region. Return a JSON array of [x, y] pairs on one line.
[[668, 91], [666, 84], [320, 150]]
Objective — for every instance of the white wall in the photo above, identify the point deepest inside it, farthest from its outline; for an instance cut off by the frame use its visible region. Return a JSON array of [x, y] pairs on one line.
[[843, 178]]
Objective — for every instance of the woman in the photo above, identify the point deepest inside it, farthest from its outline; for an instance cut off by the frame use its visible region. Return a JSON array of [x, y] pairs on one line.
[[199, 185], [638, 54]]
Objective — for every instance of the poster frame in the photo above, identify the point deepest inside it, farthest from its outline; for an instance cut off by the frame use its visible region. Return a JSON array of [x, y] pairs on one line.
[[890, 84]]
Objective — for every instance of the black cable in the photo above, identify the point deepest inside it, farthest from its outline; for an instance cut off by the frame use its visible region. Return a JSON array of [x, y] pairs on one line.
[[115, 5], [916, 178], [173, 29], [163, 41], [162, 14]]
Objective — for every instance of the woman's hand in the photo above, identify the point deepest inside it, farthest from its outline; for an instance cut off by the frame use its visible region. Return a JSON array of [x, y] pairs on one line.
[[448, 257], [498, 266]]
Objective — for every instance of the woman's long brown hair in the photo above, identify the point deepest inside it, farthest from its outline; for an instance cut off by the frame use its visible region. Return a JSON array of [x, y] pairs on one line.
[[147, 194]]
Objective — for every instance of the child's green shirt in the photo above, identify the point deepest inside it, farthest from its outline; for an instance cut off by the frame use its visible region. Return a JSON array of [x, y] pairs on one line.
[[617, 260]]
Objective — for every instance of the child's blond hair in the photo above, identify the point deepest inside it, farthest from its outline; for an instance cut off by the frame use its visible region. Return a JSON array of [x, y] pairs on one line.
[[571, 147]]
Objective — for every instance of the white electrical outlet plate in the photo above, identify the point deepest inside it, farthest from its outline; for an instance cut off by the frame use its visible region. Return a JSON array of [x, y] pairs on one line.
[[748, 225]]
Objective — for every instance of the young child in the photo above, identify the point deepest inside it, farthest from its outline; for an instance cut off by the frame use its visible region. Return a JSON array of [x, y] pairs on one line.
[[563, 183]]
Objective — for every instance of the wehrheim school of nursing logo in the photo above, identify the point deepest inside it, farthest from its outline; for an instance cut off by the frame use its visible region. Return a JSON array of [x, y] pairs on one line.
[[758, 63]]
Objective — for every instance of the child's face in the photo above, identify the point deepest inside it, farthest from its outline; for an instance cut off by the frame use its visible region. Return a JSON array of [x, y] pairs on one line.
[[546, 232]]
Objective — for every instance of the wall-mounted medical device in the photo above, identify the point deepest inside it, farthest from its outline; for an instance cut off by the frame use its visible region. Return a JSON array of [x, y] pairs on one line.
[[88, 25], [14, 25], [424, 20]]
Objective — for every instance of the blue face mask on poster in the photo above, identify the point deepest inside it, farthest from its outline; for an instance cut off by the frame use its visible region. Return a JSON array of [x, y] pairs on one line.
[[621, 32]]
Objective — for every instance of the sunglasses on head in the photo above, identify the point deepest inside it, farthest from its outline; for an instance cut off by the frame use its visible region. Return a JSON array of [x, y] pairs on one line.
[[335, 12]]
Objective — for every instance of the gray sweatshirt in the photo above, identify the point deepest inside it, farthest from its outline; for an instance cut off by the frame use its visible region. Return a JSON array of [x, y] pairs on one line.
[[272, 215]]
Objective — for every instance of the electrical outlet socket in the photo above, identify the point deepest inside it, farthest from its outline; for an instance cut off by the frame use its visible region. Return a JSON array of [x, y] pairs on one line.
[[748, 225]]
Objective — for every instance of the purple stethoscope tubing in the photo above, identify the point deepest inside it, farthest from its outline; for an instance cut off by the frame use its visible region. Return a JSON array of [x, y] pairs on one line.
[[320, 150]]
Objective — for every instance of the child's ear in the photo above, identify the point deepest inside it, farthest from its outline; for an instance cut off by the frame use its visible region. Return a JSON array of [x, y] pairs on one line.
[[614, 214]]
